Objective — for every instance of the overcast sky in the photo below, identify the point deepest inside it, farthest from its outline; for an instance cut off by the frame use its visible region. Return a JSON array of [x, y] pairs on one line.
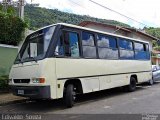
[[144, 11]]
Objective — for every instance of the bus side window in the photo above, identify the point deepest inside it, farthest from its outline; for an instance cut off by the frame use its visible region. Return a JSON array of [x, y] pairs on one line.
[[88, 45], [141, 51], [107, 47], [126, 49], [71, 44]]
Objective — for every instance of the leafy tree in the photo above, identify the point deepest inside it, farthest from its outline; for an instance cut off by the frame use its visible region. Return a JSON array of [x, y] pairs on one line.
[[11, 27], [153, 31], [156, 33]]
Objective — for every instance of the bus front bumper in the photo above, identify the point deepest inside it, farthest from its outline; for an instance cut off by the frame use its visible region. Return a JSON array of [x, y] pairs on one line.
[[34, 92]]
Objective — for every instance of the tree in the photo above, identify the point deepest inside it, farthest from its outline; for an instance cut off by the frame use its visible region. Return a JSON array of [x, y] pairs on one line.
[[156, 33], [11, 27]]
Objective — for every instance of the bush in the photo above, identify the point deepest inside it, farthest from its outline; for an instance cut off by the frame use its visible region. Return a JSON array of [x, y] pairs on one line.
[[11, 27], [4, 83]]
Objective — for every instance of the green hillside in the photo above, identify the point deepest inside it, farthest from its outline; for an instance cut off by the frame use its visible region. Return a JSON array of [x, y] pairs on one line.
[[39, 17]]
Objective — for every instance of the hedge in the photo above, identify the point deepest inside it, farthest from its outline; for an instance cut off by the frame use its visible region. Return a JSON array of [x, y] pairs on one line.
[[12, 30]]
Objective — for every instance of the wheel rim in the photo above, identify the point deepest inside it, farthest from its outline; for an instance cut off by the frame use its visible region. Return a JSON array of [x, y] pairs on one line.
[[74, 94]]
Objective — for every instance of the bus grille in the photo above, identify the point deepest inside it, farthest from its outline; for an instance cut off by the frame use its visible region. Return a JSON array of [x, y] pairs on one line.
[[21, 80]]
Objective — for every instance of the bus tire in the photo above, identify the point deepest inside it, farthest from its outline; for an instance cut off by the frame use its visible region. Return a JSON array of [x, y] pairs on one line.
[[69, 96], [132, 85]]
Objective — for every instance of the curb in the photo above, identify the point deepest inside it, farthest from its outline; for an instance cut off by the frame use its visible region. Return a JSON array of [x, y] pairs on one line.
[[4, 91], [12, 102], [7, 98]]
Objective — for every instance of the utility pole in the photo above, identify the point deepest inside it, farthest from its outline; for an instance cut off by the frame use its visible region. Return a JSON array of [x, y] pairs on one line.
[[4, 3], [19, 4], [21, 9]]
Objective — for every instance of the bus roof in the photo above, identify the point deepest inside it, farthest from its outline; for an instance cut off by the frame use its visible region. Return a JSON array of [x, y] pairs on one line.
[[93, 30]]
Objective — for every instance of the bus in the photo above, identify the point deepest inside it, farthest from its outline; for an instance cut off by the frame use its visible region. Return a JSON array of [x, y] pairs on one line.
[[64, 60]]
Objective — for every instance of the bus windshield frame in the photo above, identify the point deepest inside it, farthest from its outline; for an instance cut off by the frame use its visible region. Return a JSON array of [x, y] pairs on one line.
[[36, 45]]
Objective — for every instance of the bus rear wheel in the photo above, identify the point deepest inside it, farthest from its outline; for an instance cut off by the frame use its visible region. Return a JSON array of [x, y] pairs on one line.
[[132, 86], [69, 96]]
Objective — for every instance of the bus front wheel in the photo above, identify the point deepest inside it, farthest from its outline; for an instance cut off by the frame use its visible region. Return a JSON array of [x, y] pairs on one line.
[[69, 96]]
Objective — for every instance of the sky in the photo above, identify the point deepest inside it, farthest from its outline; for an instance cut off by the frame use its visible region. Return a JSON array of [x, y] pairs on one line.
[[143, 11]]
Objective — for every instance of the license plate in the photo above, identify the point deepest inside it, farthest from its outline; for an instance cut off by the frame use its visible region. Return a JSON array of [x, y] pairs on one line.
[[21, 92]]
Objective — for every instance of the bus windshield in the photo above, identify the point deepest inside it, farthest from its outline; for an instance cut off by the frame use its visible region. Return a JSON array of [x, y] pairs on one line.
[[35, 45]]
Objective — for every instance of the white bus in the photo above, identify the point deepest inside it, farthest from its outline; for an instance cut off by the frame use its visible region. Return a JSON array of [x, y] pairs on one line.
[[63, 60]]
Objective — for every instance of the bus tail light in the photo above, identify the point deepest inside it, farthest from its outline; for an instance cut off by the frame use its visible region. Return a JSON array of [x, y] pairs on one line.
[[38, 80]]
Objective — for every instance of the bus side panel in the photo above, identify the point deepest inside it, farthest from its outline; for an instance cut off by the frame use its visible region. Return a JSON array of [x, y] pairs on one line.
[[60, 88], [71, 68], [78, 68], [98, 74], [90, 84], [114, 81], [143, 77], [50, 75], [105, 82], [118, 72]]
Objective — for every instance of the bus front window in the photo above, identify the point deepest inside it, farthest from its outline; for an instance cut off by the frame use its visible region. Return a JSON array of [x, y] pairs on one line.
[[35, 45]]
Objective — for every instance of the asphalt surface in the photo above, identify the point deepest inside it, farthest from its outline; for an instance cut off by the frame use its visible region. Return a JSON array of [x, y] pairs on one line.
[[145, 100]]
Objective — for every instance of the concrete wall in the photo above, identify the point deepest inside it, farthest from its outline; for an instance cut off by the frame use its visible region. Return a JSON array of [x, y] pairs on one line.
[[7, 57], [8, 54], [155, 61], [106, 29], [141, 37]]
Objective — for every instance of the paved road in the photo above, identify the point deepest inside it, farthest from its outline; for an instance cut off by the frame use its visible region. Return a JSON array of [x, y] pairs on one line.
[[145, 99]]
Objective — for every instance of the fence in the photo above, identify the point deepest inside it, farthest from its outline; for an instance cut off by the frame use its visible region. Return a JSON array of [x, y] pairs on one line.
[[7, 57]]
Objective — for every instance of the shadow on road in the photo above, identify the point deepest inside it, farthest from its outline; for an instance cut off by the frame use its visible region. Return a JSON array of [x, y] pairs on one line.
[[54, 105]]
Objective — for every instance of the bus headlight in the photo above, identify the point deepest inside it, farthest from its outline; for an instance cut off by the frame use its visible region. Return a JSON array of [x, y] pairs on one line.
[[38, 80]]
